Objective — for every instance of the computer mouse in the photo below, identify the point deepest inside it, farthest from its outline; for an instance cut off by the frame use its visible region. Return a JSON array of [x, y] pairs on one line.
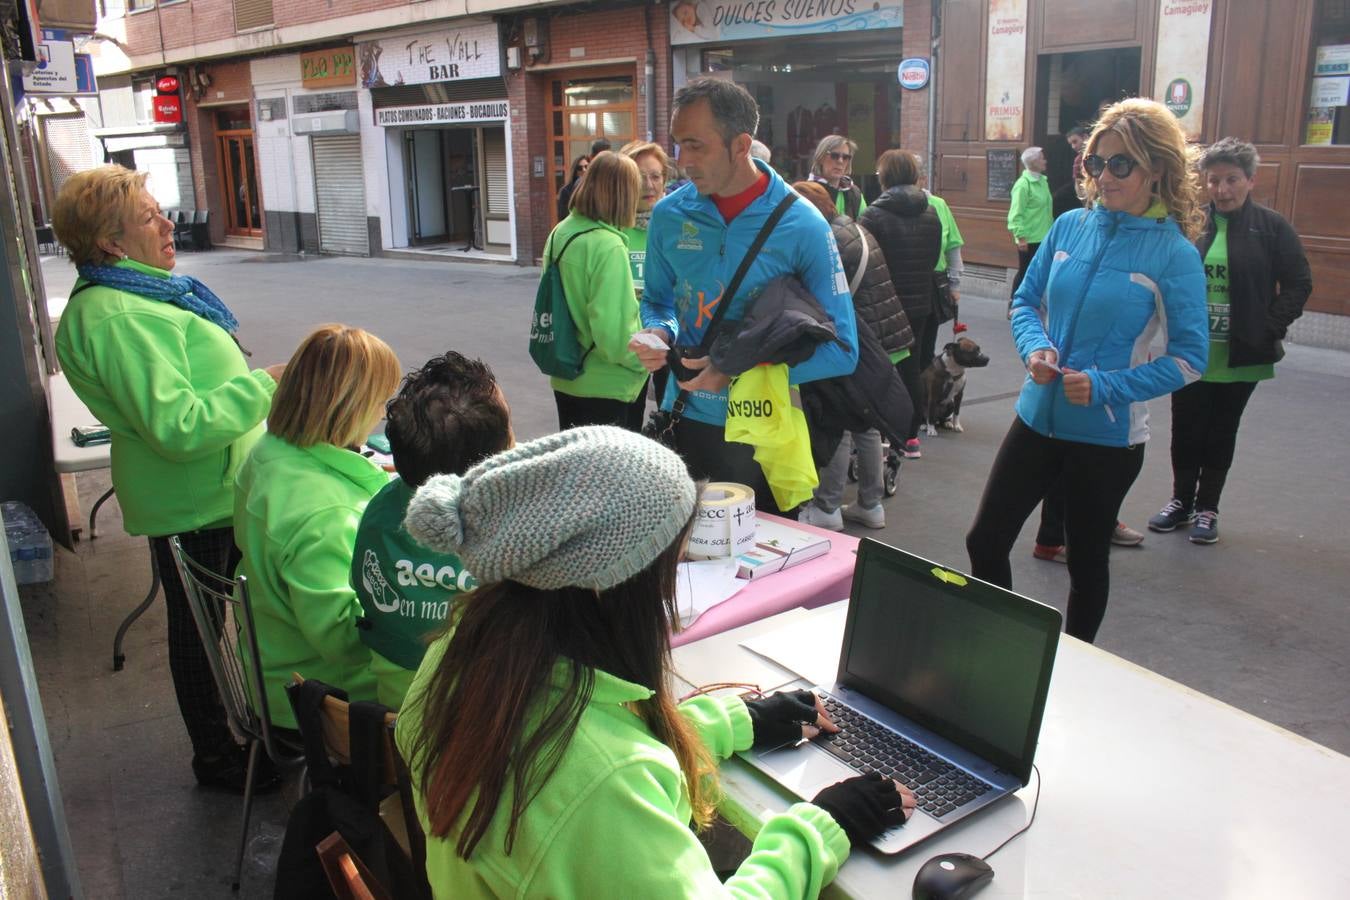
[[951, 876]]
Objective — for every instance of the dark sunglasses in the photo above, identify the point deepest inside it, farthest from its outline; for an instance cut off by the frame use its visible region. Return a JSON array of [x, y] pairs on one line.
[[1120, 165], [840, 157]]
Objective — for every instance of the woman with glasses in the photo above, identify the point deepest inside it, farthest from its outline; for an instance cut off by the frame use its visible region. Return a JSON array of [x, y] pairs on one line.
[[591, 249], [1105, 281], [654, 167], [579, 167], [831, 166]]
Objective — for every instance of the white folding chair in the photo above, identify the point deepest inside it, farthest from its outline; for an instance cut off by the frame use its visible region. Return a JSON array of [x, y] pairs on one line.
[[218, 602]]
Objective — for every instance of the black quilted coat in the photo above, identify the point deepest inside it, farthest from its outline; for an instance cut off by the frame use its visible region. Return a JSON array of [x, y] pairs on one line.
[[875, 301], [910, 235]]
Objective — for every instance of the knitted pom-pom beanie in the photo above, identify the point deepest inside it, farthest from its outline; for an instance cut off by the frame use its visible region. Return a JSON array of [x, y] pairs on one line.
[[588, 507]]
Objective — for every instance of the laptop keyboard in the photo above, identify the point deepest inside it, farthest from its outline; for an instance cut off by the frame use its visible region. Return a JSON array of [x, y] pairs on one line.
[[863, 744]]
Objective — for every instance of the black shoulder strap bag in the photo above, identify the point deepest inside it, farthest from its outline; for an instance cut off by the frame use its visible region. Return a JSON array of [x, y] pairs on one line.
[[661, 426]]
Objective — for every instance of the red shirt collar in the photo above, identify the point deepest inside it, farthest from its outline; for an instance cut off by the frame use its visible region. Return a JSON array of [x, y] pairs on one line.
[[733, 206]]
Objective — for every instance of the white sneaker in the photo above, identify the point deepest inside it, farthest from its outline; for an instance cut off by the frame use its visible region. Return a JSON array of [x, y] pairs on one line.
[[814, 515], [873, 517]]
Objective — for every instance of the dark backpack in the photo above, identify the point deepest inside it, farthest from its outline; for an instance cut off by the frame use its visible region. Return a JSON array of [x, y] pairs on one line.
[[553, 334], [345, 799]]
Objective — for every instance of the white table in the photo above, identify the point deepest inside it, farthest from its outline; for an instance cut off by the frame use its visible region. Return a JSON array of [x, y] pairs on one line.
[[1151, 790], [67, 412]]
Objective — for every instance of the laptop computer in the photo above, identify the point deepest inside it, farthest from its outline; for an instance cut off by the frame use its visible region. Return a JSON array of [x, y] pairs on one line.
[[942, 685]]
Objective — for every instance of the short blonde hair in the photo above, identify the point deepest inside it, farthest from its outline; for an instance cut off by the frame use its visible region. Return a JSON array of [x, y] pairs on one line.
[[1153, 138], [829, 144], [635, 150], [91, 207], [334, 388], [610, 191]]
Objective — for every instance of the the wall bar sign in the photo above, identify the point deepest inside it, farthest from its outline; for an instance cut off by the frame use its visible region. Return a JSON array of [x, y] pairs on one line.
[[913, 73]]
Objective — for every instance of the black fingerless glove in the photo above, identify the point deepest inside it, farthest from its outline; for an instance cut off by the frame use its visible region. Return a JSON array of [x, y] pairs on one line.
[[864, 806], [778, 718]]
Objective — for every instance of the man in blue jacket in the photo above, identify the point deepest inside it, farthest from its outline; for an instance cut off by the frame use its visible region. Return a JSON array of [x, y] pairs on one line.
[[695, 242]]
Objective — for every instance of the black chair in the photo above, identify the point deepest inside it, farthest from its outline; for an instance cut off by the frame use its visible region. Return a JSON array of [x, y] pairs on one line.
[[224, 617], [182, 228], [200, 229]]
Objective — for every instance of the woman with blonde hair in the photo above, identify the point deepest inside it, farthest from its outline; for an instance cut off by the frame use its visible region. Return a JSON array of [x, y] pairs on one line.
[[1106, 279], [598, 282], [549, 755], [298, 502], [831, 166], [655, 168], [154, 357]]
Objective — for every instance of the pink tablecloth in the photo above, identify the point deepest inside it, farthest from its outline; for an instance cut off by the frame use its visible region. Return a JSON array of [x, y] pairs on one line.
[[816, 582]]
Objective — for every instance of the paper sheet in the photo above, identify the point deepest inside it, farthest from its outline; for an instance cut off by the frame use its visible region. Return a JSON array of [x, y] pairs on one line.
[[701, 585], [796, 645]]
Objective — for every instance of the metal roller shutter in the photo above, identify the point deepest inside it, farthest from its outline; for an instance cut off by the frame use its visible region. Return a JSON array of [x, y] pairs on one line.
[[339, 187], [69, 147], [494, 162]]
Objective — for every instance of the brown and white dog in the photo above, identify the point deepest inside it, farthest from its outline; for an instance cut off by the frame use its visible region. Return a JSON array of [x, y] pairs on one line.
[[943, 383]]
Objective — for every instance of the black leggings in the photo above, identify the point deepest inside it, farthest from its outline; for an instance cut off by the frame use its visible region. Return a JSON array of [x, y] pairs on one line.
[[1023, 260], [193, 685], [909, 376], [1205, 419], [574, 411], [1096, 480], [711, 457]]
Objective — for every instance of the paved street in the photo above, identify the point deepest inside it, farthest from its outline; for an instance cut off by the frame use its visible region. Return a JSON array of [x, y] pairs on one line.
[[1258, 620]]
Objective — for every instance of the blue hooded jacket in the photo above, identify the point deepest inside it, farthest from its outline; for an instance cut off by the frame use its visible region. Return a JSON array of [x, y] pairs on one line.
[[1101, 287], [692, 253]]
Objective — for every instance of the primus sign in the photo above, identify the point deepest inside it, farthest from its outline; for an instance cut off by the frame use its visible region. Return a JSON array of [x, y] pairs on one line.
[[443, 113]]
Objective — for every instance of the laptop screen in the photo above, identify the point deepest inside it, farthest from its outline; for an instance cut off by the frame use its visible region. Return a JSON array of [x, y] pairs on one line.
[[963, 658]]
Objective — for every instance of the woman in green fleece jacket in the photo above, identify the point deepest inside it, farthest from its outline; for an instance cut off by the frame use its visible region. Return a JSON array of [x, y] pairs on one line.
[[298, 503], [548, 754], [154, 357], [611, 389]]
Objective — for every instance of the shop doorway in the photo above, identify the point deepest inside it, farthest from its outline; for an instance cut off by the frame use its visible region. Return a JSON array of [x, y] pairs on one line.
[[834, 84], [585, 107], [1071, 88], [457, 188], [238, 172]]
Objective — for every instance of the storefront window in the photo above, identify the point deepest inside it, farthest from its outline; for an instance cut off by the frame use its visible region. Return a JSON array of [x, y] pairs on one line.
[[1328, 118], [835, 84]]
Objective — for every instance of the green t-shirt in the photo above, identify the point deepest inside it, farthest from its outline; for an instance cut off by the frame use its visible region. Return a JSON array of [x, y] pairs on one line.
[[951, 235], [1216, 286], [637, 256], [405, 590]]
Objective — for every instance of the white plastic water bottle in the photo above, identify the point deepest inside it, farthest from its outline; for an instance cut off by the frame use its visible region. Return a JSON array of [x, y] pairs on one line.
[[30, 547]]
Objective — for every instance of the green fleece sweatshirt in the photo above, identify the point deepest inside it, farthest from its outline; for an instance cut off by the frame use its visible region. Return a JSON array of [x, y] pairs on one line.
[[1031, 213], [295, 519], [613, 820], [175, 392], [599, 286]]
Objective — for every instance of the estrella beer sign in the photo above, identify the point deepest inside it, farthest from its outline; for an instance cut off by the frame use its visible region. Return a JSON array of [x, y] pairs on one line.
[[167, 105]]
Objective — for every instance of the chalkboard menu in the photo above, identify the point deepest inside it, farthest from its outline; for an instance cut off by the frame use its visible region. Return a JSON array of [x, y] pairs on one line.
[[1001, 169]]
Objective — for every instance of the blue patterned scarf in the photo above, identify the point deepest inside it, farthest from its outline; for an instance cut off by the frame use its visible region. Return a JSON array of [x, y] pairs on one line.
[[182, 291]]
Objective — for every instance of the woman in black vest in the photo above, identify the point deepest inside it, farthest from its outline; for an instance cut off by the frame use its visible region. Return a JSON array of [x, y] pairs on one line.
[[910, 235], [831, 166], [1257, 279]]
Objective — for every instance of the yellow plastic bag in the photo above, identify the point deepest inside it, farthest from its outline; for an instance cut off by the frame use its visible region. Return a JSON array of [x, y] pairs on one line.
[[760, 413]]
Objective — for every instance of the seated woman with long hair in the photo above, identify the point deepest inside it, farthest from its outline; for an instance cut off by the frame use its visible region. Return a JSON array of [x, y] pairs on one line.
[[298, 502], [549, 756]]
